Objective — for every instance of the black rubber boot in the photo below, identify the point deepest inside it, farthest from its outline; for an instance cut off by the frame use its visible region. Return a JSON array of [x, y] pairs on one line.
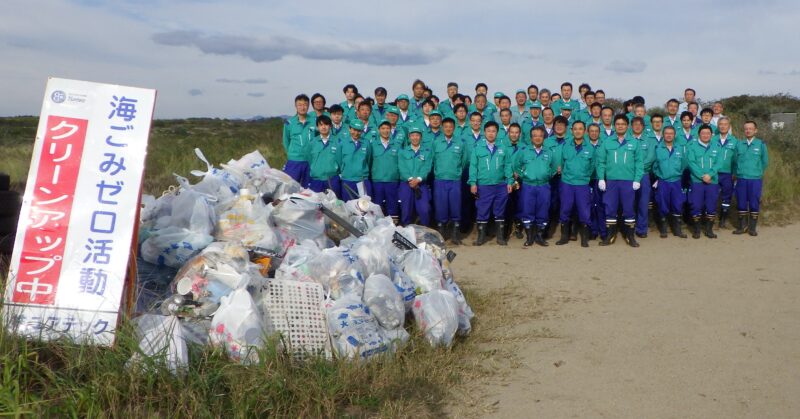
[[630, 235], [538, 238], [564, 235], [709, 227], [443, 228], [518, 229], [677, 230], [661, 224], [481, 235], [753, 224], [742, 226], [695, 227], [455, 234], [723, 217], [611, 236], [501, 233], [583, 231], [573, 229], [528, 235]]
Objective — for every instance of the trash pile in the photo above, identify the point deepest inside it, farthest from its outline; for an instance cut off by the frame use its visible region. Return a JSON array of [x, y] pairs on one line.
[[246, 254]]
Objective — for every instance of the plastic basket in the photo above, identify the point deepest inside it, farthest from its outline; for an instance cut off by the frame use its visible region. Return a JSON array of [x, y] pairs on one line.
[[295, 310]]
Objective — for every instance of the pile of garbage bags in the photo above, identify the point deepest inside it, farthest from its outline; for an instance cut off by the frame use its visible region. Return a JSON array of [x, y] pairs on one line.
[[246, 255]]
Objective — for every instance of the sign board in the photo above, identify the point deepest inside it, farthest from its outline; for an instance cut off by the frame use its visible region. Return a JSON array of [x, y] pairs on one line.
[[68, 269]]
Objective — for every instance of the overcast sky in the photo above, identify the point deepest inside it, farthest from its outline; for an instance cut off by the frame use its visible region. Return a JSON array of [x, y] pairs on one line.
[[244, 58]]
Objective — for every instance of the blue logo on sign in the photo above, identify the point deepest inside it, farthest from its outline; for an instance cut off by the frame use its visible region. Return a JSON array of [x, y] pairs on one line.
[[58, 96]]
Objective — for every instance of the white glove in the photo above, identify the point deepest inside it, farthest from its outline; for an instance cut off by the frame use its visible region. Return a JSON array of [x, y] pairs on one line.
[[655, 184], [636, 186], [601, 184]]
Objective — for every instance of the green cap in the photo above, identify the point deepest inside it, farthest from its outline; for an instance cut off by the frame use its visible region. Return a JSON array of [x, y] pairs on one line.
[[498, 95], [393, 109], [357, 124], [435, 113], [567, 106], [414, 130], [522, 91], [383, 121], [402, 97], [535, 104]]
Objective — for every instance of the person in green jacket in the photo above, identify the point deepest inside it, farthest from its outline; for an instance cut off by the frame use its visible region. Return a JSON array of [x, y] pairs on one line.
[[607, 129], [338, 127], [668, 168], [447, 106], [534, 120], [354, 158], [349, 103], [323, 156], [727, 142], [504, 124], [706, 115], [576, 161], [490, 180], [520, 112], [379, 108], [415, 164], [433, 132], [619, 170], [462, 120], [397, 132], [673, 118], [704, 164], [406, 116], [535, 165], [749, 165], [385, 173], [449, 160], [643, 195], [297, 133]]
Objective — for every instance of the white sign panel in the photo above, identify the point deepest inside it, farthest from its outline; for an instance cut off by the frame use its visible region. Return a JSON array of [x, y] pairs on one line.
[[69, 265]]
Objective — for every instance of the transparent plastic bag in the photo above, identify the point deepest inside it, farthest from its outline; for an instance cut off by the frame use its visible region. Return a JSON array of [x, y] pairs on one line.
[[173, 246], [162, 338], [363, 213], [275, 184], [465, 313], [237, 326], [354, 330], [436, 314], [248, 170], [424, 269], [373, 254], [404, 285], [218, 270], [383, 300], [296, 262], [346, 284], [300, 218], [333, 262], [430, 240]]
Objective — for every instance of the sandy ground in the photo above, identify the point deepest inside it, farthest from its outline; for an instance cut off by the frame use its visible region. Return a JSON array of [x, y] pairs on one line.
[[674, 329]]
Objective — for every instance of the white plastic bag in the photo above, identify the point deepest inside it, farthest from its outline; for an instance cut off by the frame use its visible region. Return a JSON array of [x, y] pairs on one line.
[[162, 336], [436, 314], [237, 327], [354, 330], [300, 218], [404, 285], [295, 265], [465, 313], [173, 246], [373, 254], [424, 269], [333, 262], [384, 301]]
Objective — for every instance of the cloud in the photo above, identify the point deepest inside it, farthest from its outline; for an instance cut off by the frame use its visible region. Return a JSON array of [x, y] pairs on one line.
[[195, 92], [763, 72], [275, 48], [256, 94], [245, 81], [620, 66], [793, 73]]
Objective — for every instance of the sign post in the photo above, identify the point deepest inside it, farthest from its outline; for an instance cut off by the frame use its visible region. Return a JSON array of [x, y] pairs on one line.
[[79, 212]]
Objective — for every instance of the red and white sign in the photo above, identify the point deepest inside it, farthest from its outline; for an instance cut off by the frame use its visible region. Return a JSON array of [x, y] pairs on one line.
[[68, 269]]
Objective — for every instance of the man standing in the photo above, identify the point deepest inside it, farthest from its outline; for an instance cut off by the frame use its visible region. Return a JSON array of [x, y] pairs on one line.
[[647, 145], [297, 133], [349, 103], [689, 96], [490, 180], [323, 155], [415, 195], [449, 160], [673, 117], [406, 117], [703, 165], [447, 107], [576, 161], [598, 224], [354, 163], [535, 165], [668, 168], [727, 144], [418, 91], [749, 165], [384, 152], [619, 170], [378, 113]]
